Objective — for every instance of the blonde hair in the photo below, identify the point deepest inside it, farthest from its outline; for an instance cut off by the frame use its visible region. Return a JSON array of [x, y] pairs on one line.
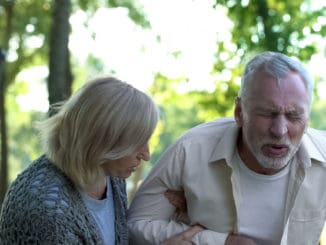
[[105, 119]]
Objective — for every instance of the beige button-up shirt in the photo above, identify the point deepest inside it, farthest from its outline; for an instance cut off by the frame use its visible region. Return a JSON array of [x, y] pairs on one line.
[[202, 164]]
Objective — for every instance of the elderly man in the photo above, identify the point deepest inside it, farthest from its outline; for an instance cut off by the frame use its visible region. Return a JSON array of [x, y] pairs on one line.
[[256, 179]]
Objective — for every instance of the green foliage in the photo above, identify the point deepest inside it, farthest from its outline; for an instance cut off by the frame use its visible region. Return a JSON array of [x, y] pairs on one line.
[[23, 141], [25, 27], [317, 116], [179, 112], [26, 34], [275, 25], [135, 10], [258, 25], [217, 104]]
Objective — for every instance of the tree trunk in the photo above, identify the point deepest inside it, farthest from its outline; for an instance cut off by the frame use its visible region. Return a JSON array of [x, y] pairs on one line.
[[60, 77], [8, 5], [3, 125]]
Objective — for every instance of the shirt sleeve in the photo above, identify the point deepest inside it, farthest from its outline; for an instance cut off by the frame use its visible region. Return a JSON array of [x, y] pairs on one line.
[[143, 232], [151, 218], [208, 237]]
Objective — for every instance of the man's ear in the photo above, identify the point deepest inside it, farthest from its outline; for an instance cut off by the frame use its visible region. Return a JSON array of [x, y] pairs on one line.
[[238, 114]]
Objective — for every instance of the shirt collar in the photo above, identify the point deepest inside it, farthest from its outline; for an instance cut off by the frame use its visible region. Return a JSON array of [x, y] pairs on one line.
[[309, 150], [226, 146]]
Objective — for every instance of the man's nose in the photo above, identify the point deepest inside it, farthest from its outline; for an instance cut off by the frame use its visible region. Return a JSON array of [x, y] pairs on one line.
[[279, 126]]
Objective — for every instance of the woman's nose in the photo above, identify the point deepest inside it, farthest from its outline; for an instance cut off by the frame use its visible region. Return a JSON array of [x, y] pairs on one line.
[[145, 153]]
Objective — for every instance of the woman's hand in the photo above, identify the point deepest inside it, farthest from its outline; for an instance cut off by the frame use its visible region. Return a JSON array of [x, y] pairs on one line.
[[235, 239], [184, 238], [177, 199]]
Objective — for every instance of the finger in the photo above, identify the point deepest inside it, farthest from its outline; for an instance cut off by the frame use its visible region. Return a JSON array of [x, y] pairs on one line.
[[174, 193], [177, 202], [168, 195], [188, 234], [177, 199], [172, 199]]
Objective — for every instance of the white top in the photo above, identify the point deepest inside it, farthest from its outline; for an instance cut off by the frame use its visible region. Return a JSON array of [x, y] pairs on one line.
[[103, 213], [262, 210]]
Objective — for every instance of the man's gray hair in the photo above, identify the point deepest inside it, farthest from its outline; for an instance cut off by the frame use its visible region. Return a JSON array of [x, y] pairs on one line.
[[277, 65]]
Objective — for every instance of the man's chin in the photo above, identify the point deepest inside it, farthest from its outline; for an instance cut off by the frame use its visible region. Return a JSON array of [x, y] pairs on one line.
[[274, 163]]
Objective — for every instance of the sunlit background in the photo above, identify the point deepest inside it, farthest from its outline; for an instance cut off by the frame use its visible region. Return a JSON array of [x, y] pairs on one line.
[[181, 43]]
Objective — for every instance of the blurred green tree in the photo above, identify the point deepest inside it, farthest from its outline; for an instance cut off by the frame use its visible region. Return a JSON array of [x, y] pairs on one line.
[[295, 28], [258, 25], [26, 38], [290, 27]]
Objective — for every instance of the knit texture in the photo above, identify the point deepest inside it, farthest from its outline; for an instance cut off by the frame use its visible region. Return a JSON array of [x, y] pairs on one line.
[[42, 206]]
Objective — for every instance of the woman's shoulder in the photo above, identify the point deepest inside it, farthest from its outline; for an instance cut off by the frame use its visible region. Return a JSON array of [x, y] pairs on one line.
[[40, 175], [43, 201], [42, 187]]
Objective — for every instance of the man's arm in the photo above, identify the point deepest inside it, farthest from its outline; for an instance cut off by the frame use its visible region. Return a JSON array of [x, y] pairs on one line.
[[184, 238], [152, 218], [177, 199]]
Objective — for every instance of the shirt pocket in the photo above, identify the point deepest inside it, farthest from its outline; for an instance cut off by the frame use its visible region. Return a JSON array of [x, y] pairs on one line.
[[305, 226]]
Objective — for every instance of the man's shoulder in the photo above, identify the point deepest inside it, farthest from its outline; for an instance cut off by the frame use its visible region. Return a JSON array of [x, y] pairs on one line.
[[318, 139], [317, 134], [211, 128], [208, 135]]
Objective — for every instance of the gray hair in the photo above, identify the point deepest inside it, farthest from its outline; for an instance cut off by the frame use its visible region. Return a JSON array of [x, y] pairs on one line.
[[277, 65], [105, 119]]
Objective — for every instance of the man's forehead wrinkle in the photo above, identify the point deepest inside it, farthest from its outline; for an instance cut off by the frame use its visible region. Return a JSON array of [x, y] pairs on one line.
[[272, 107]]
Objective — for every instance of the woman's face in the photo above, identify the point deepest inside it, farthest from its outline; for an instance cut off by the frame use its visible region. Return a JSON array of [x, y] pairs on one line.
[[123, 167]]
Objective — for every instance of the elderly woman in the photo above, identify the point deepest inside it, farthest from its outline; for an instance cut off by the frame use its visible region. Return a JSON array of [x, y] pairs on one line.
[[76, 193]]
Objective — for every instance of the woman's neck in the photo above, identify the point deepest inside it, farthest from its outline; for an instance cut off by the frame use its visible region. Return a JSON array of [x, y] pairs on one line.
[[98, 192]]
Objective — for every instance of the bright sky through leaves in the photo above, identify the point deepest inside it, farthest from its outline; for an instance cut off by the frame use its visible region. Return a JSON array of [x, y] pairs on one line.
[[188, 31]]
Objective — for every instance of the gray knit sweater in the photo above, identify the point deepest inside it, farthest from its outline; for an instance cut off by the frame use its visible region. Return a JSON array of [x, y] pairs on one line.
[[42, 206]]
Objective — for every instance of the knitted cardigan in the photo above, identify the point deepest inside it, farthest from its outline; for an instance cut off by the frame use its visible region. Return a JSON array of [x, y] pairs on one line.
[[42, 206]]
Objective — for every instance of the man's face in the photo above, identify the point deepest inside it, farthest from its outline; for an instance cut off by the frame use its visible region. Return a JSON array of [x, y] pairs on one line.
[[273, 120]]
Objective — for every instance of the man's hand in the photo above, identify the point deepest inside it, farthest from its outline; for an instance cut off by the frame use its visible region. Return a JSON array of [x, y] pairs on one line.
[[184, 238], [177, 199], [234, 239]]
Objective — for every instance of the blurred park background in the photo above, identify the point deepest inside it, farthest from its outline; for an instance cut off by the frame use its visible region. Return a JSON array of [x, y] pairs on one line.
[[187, 54]]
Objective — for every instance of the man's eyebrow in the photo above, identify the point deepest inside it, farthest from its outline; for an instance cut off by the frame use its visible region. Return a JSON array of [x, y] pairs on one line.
[[291, 110]]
